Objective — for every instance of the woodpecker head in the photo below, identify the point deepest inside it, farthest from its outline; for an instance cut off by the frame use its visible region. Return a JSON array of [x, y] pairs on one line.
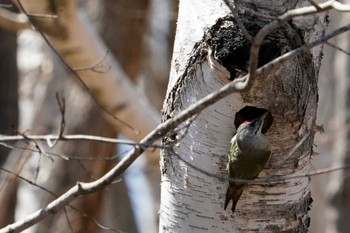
[[249, 135]]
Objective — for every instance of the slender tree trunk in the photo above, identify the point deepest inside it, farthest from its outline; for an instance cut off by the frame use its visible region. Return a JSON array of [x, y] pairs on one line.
[[160, 40], [331, 142], [82, 117], [339, 185], [8, 118], [127, 44], [82, 50], [127, 40], [9, 87], [8, 121], [208, 45]]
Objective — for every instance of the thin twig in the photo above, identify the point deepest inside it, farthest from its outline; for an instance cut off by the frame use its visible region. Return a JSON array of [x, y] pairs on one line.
[[289, 155], [97, 223], [79, 189], [70, 157], [13, 21], [62, 106], [36, 145], [54, 195], [36, 15], [280, 60], [264, 180], [256, 13], [37, 169], [68, 220], [238, 20], [72, 137], [95, 66], [33, 150], [315, 5], [266, 30], [28, 181], [88, 174], [337, 48], [103, 108]]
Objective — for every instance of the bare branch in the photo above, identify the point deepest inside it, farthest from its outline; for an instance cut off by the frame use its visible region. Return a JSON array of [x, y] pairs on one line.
[[311, 174], [28, 181], [36, 145], [280, 60], [68, 220], [97, 67], [97, 223], [87, 188], [236, 85], [48, 16], [289, 155], [337, 48], [123, 106], [264, 180], [261, 15], [15, 174], [239, 84], [13, 21], [69, 157], [62, 106], [315, 5], [77, 137], [34, 150], [10, 180], [266, 30], [238, 20]]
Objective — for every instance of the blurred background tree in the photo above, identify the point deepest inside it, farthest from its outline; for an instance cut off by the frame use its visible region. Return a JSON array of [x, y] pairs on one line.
[[331, 192], [9, 116], [139, 34]]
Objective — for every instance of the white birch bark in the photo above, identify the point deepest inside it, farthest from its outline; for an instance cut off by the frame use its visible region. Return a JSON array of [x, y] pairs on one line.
[[192, 201]]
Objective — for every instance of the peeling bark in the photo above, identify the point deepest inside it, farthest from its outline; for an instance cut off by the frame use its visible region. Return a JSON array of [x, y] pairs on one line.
[[210, 50]]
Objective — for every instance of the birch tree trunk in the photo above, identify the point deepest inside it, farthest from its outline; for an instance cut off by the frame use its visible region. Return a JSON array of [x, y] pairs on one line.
[[338, 188], [209, 49]]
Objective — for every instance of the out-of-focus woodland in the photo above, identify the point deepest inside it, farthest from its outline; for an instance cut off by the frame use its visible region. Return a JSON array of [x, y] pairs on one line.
[[139, 34]]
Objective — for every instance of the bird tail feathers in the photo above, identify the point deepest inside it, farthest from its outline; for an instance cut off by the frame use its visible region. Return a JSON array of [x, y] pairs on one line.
[[233, 193]]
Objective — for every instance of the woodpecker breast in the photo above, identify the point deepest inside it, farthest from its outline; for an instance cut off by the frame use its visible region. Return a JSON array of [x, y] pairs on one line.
[[252, 142]]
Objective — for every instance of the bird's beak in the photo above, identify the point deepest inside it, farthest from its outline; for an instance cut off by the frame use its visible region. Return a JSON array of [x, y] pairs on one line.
[[262, 117], [260, 120]]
